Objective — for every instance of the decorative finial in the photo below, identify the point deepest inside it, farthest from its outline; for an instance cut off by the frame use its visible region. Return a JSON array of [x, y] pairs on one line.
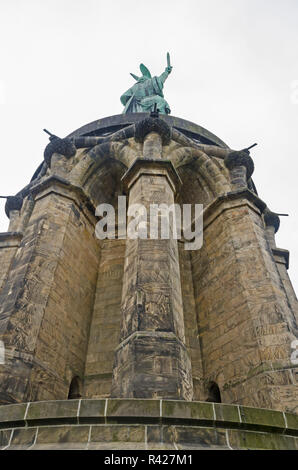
[[57, 145], [52, 136], [249, 148], [272, 218], [13, 203]]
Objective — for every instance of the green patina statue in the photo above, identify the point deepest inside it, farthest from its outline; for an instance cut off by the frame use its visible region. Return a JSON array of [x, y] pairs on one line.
[[147, 92]]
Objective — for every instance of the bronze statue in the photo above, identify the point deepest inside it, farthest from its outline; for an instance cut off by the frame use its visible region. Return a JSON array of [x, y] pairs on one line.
[[147, 92]]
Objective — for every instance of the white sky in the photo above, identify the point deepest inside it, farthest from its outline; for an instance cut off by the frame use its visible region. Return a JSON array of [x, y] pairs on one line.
[[64, 63]]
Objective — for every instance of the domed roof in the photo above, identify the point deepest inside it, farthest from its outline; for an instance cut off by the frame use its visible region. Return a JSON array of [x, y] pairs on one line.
[[108, 125]]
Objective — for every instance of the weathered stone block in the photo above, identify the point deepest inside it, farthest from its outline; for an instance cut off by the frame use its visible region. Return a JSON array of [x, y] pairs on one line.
[[117, 446], [92, 410], [269, 418], [5, 436], [118, 433], [23, 438], [187, 437], [63, 435], [12, 415], [155, 440], [152, 365], [146, 410], [57, 411], [260, 441], [292, 422], [98, 386], [227, 414], [187, 410], [154, 434]]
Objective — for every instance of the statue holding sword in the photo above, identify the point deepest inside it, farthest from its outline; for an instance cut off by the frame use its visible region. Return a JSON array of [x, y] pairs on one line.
[[147, 92]]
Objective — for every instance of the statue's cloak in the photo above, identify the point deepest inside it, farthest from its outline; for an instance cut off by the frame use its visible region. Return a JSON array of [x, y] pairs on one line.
[[141, 96]]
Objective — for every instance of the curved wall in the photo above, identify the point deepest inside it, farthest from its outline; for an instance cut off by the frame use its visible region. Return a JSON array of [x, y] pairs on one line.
[[144, 425]]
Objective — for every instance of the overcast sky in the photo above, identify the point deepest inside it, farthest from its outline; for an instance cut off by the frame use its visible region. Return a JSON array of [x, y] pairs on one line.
[[64, 63]]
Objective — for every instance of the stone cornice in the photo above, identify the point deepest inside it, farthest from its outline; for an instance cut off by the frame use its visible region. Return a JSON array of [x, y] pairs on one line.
[[57, 185], [142, 411], [111, 123], [10, 239], [230, 200], [152, 167], [281, 256], [169, 335]]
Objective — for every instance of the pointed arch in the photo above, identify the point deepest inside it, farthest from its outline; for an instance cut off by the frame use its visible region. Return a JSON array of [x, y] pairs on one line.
[[216, 179], [75, 388], [214, 394]]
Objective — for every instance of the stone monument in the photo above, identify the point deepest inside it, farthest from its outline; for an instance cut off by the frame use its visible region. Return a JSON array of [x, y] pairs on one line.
[[139, 343]]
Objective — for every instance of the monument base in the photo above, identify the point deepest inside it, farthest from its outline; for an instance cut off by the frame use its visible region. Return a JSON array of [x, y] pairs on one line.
[[138, 424]]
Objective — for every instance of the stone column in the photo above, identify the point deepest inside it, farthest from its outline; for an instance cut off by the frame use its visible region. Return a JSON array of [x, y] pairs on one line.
[[105, 322], [9, 243], [272, 224], [151, 360], [246, 323], [281, 258], [13, 208], [47, 298]]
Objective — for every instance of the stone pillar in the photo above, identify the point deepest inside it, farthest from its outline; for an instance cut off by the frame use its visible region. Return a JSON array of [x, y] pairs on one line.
[[47, 299], [13, 208], [105, 323], [152, 146], [151, 360], [272, 224], [281, 258], [9, 243], [246, 323], [192, 339]]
